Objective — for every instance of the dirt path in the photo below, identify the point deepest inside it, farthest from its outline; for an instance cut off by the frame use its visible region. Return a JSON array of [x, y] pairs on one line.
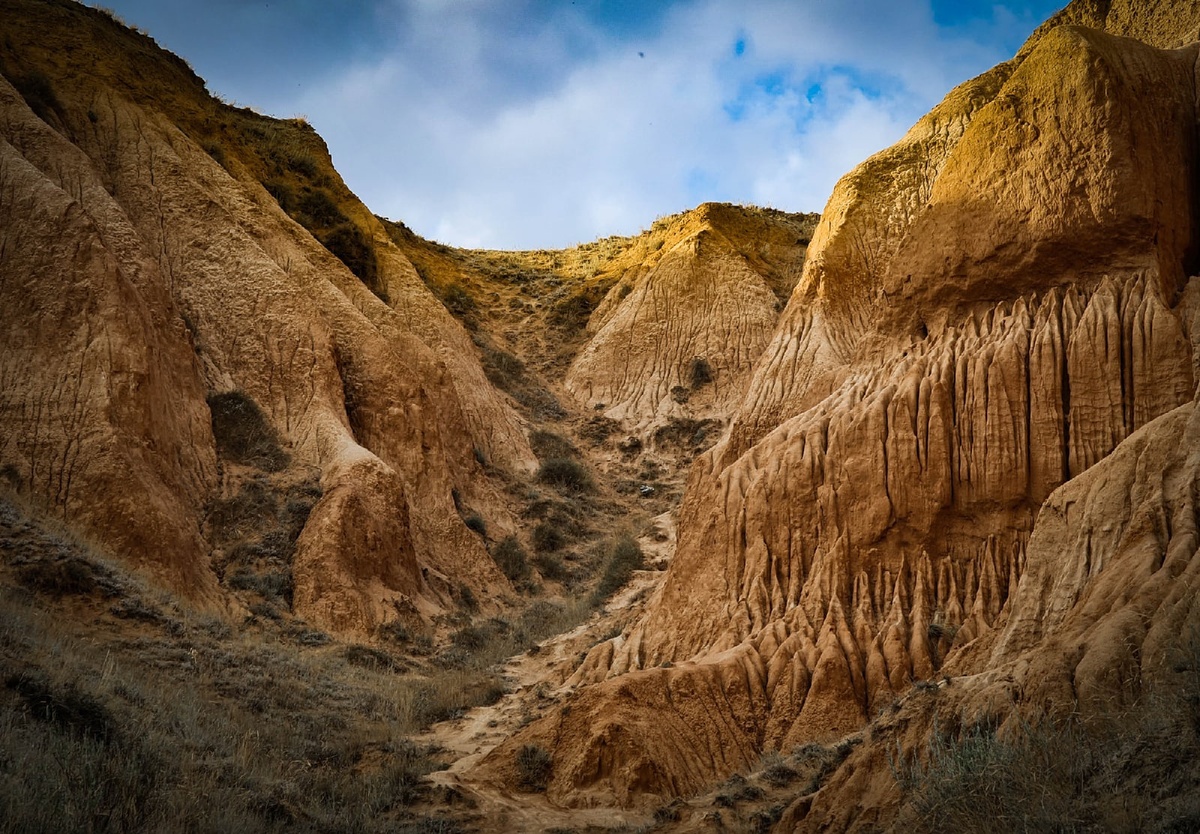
[[537, 683]]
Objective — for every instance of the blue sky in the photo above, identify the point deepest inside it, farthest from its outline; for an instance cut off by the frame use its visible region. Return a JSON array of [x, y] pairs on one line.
[[543, 123]]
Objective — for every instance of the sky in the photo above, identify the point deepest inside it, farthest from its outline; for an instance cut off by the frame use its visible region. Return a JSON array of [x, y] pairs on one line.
[[520, 124]]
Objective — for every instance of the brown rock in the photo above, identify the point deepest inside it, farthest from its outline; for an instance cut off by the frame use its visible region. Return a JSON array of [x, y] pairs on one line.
[[870, 513], [192, 280], [679, 340]]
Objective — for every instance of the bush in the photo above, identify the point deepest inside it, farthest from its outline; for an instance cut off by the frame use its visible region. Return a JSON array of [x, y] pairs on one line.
[[39, 94], [271, 585], [369, 657], [736, 789], [317, 209], [548, 537], [395, 631], [61, 577], [624, 557], [567, 474], [217, 153], [304, 164], [466, 597], [476, 524], [283, 194], [67, 708], [511, 558], [458, 301], [779, 774], [701, 372], [549, 446], [502, 369], [1034, 780], [550, 567], [534, 765]]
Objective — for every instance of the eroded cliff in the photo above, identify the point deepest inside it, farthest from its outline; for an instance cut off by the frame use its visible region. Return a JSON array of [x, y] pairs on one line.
[[188, 281], [991, 309]]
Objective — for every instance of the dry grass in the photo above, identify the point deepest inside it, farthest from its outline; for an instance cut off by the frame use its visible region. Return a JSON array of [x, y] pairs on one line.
[[1129, 770], [623, 555], [161, 719], [534, 766]]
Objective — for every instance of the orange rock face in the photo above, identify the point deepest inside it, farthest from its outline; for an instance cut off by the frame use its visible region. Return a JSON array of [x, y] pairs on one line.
[[140, 276], [991, 309], [679, 336]]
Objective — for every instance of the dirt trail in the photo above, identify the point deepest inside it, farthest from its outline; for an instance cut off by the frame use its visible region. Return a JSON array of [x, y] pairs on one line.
[[537, 683]]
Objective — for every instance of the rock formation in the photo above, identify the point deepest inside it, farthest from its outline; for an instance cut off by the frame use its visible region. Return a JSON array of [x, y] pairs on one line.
[[146, 267], [963, 453], [991, 309], [678, 333]]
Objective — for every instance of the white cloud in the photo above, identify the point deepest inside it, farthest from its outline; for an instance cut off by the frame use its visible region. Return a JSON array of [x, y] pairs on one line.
[[509, 129]]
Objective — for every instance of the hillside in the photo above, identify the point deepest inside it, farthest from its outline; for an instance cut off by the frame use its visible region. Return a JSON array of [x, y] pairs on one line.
[[245, 421], [879, 519], [946, 474]]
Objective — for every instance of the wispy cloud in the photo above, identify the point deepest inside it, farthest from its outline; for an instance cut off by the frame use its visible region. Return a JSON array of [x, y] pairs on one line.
[[536, 123]]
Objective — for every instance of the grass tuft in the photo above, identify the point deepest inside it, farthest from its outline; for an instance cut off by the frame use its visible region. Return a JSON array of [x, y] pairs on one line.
[[534, 767], [566, 474]]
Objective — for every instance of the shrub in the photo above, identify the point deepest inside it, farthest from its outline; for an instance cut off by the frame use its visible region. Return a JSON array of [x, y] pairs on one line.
[[548, 537], [243, 434], [458, 301], [565, 473], [764, 819], [550, 566], [476, 524], [217, 152], [474, 638], [701, 372], [304, 164], [571, 313], [976, 781], [39, 94], [60, 577], [67, 707], [318, 209], [502, 369], [511, 558], [369, 657], [431, 825], [737, 789], [395, 631], [466, 597], [549, 446], [534, 765], [778, 773], [668, 813], [283, 194], [269, 585], [624, 557]]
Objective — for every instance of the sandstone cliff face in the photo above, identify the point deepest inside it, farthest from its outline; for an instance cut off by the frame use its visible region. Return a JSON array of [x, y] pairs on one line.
[[101, 396], [879, 499], [678, 333], [189, 279]]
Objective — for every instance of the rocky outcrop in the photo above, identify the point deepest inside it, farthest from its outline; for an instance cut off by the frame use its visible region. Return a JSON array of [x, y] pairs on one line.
[[189, 280], [1104, 612], [677, 335], [967, 337], [102, 409]]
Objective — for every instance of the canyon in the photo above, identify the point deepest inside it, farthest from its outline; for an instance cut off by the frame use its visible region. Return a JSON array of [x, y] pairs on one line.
[[908, 480]]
